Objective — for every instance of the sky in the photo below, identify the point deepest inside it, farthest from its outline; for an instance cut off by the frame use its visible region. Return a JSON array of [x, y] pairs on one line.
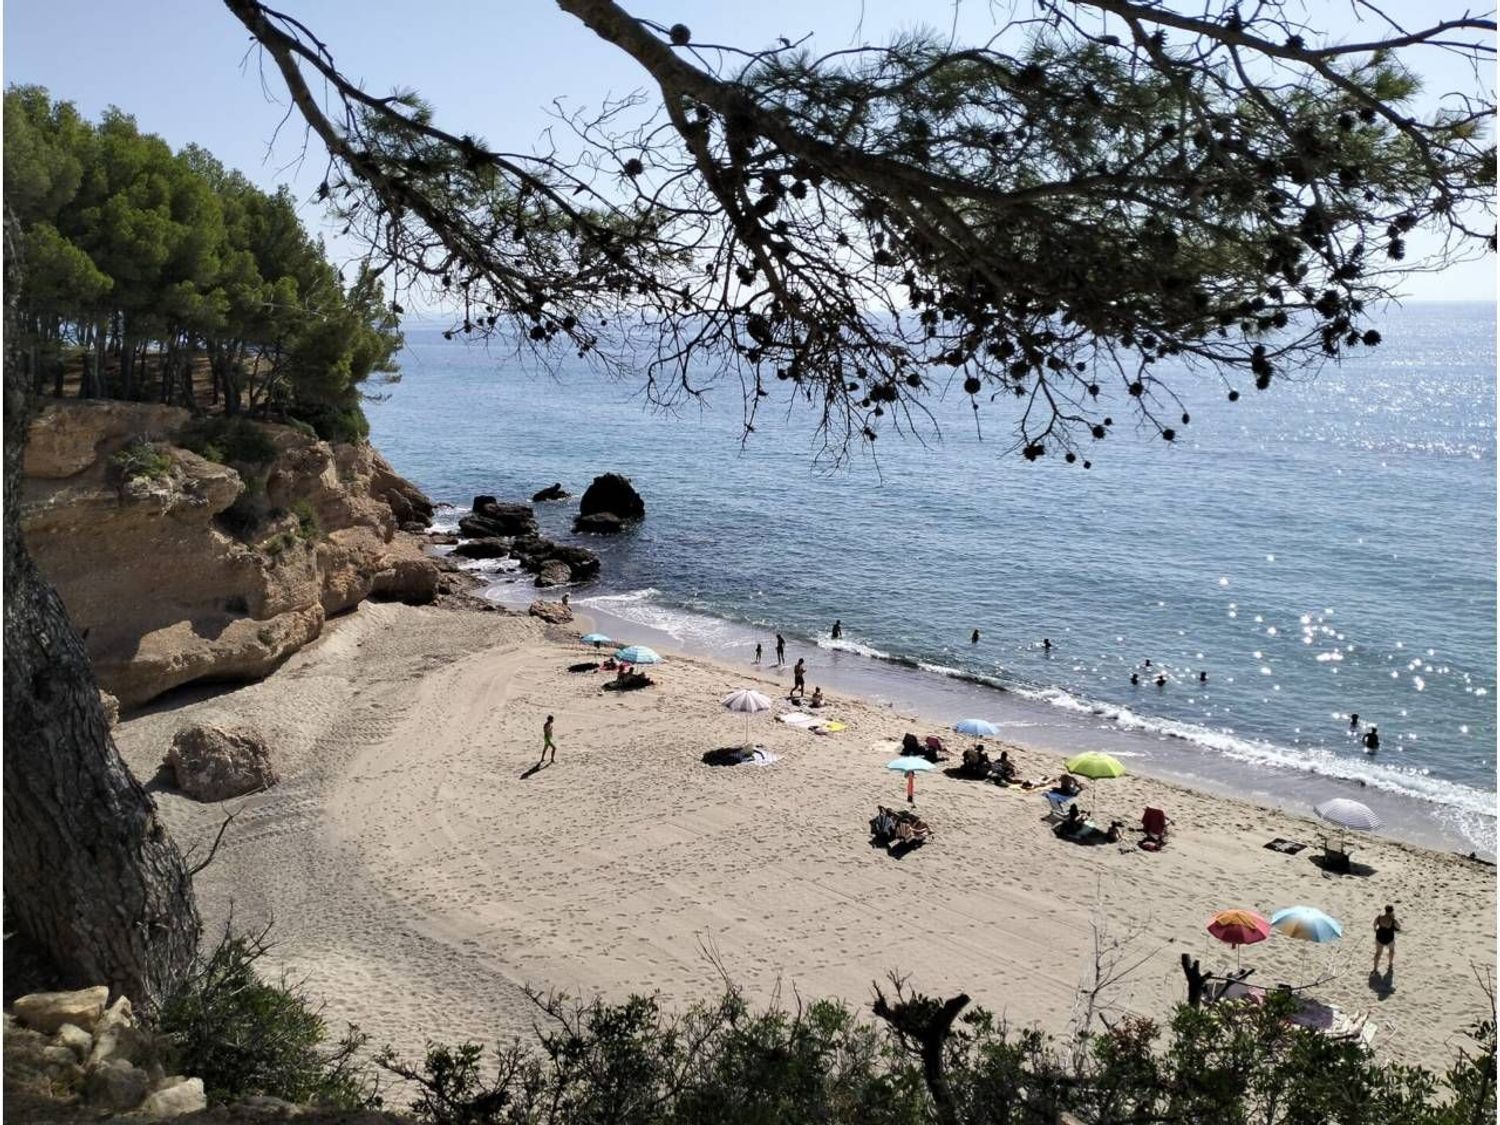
[[185, 70]]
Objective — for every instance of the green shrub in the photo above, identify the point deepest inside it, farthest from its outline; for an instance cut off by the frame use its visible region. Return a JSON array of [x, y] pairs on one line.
[[244, 1036], [229, 441], [346, 424], [308, 526], [279, 542], [141, 459], [303, 428]]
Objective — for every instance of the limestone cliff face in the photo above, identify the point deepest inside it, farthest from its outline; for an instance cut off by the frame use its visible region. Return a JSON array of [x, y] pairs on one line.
[[177, 568]]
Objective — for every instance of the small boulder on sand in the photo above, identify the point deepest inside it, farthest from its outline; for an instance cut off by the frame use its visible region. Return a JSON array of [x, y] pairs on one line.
[[214, 763], [553, 612]]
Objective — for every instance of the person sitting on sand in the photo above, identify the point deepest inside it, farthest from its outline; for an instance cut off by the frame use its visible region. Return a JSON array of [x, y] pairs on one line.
[[817, 698], [1069, 785], [1005, 768], [910, 747]]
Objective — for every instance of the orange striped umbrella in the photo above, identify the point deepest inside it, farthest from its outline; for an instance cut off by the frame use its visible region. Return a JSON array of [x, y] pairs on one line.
[[1239, 927]]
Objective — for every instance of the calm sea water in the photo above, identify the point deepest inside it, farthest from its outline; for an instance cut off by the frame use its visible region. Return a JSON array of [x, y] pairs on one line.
[[1322, 548]]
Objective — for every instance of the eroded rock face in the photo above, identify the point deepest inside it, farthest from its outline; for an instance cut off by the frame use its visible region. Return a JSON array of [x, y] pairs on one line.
[[214, 763], [199, 570]]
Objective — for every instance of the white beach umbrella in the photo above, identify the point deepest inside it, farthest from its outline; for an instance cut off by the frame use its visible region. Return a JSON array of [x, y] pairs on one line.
[[1349, 814], [746, 702]]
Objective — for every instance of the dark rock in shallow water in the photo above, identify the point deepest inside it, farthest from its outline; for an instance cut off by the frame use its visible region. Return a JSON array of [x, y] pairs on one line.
[[554, 572], [600, 523], [480, 502], [489, 548], [551, 492], [497, 519], [535, 553], [580, 560], [612, 493]]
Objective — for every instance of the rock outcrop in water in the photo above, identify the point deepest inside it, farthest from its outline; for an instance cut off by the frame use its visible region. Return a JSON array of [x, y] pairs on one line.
[[608, 504], [552, 492], [178, 566]]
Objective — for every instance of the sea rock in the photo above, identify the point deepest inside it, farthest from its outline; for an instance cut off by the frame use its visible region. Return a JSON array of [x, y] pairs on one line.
[[177, 1096], [48, 1011], [441, 538], [115, 1085], [554, 613], [487, 548], [75, 1039], [212, 763], [551, 492], [614, 494], [554, 573], [581, 562], [600, 523], [207, 571], [503, 518]]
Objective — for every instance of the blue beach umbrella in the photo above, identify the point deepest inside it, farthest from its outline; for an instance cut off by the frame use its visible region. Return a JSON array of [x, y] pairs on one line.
[[596, 639], [638, 654], [976, 728], [1307, 923], [905, 765]]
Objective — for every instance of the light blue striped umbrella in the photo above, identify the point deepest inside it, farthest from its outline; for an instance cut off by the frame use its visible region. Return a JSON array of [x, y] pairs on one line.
[[1308, 923], [976, 728], [596, 639], [638, 654]]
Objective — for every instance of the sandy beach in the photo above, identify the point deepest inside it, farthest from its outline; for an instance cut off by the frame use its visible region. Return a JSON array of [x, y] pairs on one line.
[[421, 876]]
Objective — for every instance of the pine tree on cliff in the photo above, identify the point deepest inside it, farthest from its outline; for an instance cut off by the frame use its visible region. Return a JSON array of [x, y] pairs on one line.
[[1074, 208], [91, 876]]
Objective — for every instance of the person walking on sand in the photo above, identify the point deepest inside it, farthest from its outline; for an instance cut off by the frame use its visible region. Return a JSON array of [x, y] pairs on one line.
[[780, 650], [838, 630], [1386, 929], [757, 652], [911, 787], [799, 678], [547, 743]]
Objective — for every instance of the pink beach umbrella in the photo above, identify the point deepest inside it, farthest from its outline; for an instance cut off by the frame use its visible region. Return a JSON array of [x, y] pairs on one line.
[[1239, 927]]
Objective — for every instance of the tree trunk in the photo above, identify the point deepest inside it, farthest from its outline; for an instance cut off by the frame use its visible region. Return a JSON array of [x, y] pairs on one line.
[[91, 876]]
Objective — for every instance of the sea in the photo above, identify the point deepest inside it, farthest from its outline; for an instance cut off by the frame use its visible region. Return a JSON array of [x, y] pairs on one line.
[[1319, 549]]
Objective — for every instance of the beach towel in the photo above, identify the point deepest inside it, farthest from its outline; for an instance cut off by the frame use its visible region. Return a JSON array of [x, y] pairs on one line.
[[833, 726], [1285, 847], [796, 719]]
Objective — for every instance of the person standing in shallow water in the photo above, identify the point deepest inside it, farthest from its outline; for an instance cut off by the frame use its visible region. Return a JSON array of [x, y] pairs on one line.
[[1372, 740], [974, 638], [757, 652], [838, 630], [780, 649], [1386, 929]]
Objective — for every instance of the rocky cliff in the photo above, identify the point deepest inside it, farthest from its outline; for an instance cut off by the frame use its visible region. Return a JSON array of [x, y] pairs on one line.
[[178, 565]]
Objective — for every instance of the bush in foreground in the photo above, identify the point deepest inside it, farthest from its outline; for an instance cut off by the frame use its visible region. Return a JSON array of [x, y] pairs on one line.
[[633, 1064], [243, 1035]]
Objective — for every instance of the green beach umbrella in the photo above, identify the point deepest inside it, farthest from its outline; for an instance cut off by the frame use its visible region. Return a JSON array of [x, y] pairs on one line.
[[1095, 764]]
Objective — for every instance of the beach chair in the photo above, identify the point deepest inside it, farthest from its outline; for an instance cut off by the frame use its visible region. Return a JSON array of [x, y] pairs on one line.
[[1336, 859], [1154, 824], [1059, 801]]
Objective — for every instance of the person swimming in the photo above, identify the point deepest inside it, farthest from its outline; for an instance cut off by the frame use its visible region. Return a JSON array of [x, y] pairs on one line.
[[1046, 644], [1135, 678], [1354, 720], [974, 638], [1203, 677]]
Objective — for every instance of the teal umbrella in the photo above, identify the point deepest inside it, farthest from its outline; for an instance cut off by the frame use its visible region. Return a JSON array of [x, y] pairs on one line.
[[638, 654], [918, 765], [596, 639], [1307, 923]]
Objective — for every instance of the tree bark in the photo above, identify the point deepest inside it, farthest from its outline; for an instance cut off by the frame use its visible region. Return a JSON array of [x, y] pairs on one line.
[[91, 875]]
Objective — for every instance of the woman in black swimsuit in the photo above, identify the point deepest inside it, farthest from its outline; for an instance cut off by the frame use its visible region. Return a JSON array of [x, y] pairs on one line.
[[1386, 928]]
